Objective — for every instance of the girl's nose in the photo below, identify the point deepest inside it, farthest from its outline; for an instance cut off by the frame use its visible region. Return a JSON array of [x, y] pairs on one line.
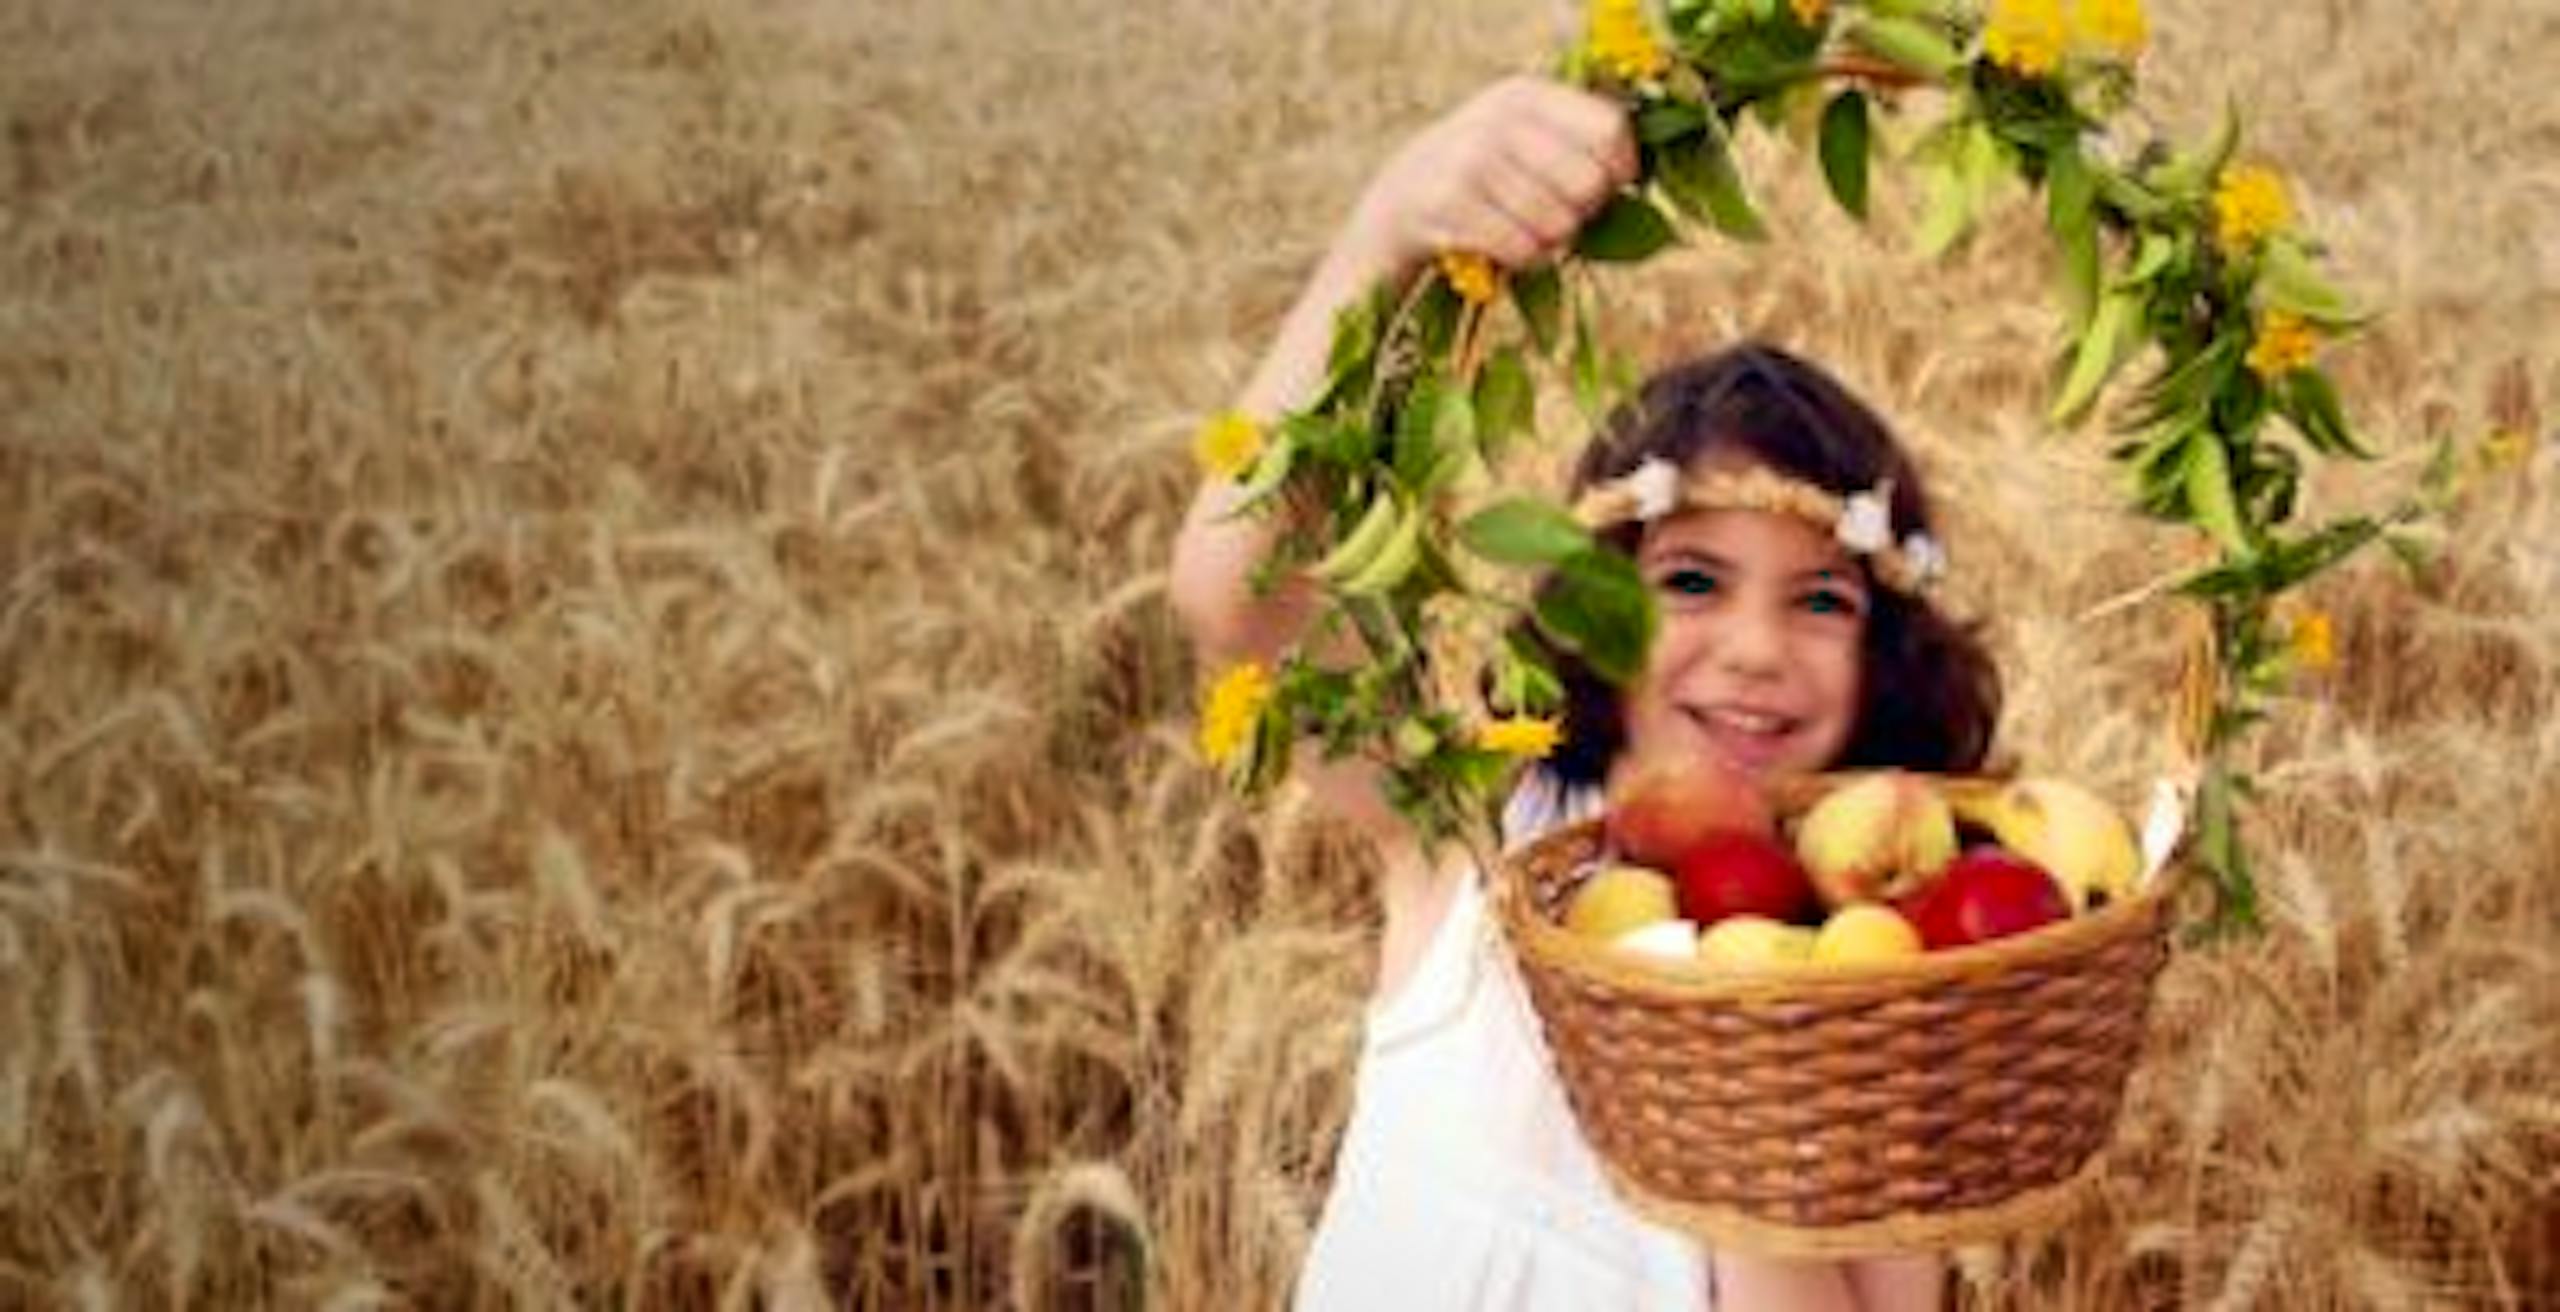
[[1752, 641]]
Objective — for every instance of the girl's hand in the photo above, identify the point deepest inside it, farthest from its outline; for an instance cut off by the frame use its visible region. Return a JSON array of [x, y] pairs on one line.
[[1510, 175]]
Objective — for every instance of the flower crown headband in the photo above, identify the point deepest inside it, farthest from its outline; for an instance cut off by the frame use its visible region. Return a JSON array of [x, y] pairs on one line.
[[1862, 521]]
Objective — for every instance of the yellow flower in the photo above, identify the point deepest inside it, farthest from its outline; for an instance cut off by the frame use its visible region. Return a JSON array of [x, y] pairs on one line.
[[1810, 12], [2026, 36], [2505, 448], [1227, 444], [1233, 711], [2311, 641], [1623, 43], [2249, 204], [1470, 275], [2285, 343], [2116, 26], [1530, 736]]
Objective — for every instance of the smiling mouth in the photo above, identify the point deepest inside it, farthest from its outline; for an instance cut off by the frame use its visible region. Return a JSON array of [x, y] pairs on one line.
[[1751, 739]]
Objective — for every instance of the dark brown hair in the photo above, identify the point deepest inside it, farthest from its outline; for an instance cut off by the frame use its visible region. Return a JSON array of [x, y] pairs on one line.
[[1929, 695]]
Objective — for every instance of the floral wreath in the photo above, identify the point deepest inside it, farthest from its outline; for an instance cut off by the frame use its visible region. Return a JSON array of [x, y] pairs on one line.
[[1861, 522], [2191, 259]]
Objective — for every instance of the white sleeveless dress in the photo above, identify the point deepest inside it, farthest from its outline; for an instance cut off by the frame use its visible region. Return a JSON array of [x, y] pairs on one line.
[[1463, 1181]]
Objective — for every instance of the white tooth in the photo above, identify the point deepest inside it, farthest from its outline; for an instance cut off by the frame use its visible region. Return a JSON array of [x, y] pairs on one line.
[[1749, 721]]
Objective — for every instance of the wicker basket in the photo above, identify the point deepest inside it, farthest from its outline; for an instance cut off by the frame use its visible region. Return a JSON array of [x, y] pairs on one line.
[[1920, 1104]]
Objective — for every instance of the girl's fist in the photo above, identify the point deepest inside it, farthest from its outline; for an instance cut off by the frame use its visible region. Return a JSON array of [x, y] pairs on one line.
[[1510, 174]]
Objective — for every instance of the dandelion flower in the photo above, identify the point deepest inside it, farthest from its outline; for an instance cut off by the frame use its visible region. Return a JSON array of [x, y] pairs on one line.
[[2285, 343], [1530, 736], [2115, 26], [1470, 275], [1233, 711], [2312, 642], [2505, 448], [2026, 36], [1623, 43], [1227, 444], [2248, 205], [1810, 12]]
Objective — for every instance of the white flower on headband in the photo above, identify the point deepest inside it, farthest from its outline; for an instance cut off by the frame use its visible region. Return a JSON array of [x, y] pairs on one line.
[[1655, 485], [1928, 560], [1866, 522]]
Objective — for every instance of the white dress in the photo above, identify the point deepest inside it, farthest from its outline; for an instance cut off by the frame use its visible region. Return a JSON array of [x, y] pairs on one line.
[[1463, 1181]]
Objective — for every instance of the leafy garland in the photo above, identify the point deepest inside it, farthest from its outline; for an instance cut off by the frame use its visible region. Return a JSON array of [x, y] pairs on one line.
[[2189, 252]]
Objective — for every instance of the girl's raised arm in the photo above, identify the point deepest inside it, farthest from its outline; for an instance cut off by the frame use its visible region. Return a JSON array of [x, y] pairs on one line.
[[1510, 175]]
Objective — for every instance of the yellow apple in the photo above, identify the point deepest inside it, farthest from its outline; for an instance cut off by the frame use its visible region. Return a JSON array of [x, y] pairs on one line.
[[1753, 942], [1864, 931], [1620, 898]]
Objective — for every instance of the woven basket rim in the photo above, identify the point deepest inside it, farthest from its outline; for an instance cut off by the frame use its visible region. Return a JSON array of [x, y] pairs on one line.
[[1555, 947]]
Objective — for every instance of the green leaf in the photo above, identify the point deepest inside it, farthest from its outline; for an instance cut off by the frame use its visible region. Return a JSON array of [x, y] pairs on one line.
[[2287, 281], [2187, 173], [2210, 498], [1668, 120], [2416, 555], [2310, 401], [2101, 350], [1270, 470], [1417, 438], [1625, 230], [1506, 401], [2132, 199], [2300, 560], [1524, 531], [1949, 213], [1453, 441], [1435, 318], [2151, 256], [1539, 293], [1353, 355], [1590, 388], [1596, 605], [1909, 44], [2071, 199], [1702, 179], [1844, 145]]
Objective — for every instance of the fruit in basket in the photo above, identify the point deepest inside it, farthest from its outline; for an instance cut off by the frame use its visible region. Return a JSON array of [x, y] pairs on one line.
[[1986, 893], [1660, 808], [1879, 837], [1620, 898], [1864, 932], [1739, 874], [1752, 942], [2065, 828], [1674, 940]]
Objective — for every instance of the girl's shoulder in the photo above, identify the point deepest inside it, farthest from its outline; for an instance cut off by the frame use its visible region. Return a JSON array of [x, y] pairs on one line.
[[1544, 801]]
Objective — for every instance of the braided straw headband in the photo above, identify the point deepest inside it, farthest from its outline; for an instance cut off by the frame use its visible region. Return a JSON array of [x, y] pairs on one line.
[[1863, 521]]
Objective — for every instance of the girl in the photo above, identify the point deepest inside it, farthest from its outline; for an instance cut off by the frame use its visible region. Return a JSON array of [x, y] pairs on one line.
[[1788, 643]]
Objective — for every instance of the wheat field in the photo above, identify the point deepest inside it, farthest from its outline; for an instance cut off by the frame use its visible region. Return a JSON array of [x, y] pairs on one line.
[[587, 713]]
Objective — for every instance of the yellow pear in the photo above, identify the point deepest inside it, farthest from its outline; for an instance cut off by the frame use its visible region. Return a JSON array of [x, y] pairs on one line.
[[1748, 942], [1865, 931], [1620, 898]]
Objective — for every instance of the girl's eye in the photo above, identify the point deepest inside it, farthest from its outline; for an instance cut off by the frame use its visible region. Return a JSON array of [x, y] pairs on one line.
[[1689, 582], [1831, 601]]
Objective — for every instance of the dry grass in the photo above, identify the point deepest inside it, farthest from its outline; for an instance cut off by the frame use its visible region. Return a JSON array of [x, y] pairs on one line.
[[586, 713]]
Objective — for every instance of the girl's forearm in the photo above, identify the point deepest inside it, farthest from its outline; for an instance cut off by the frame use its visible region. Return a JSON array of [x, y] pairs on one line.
[[1215, 557]]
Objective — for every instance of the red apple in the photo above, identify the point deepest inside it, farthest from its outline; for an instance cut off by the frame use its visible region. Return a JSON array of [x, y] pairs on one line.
[[1732, 873], [1985, 893], [1660, 809]]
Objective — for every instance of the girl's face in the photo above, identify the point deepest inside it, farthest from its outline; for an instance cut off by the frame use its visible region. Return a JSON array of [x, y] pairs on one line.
[[1763, 633]]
